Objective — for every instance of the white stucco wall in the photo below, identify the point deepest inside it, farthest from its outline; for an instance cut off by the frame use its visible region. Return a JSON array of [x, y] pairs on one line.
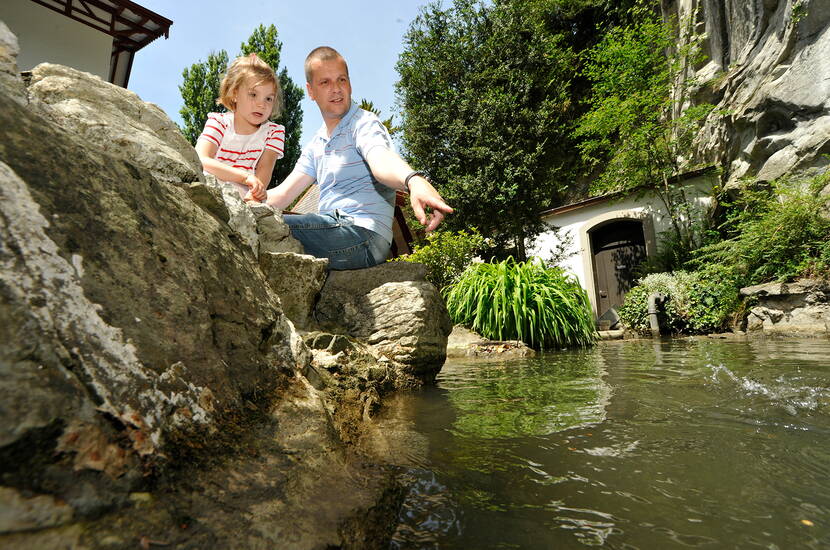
[[575, 223], [47, 36]]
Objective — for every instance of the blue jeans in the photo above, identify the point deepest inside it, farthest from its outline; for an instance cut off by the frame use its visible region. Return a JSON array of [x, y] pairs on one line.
[[334, 235]]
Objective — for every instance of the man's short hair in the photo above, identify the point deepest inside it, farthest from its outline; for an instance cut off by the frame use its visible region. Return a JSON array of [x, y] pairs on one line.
[[321, 53]]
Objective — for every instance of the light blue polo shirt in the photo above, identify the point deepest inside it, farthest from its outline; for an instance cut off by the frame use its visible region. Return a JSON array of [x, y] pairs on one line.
[[339, 166]]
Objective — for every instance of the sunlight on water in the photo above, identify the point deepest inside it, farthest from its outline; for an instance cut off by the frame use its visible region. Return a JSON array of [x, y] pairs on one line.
[[664, 444]]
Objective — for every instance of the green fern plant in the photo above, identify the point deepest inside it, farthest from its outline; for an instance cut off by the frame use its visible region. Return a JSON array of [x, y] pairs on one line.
[[543, 307]]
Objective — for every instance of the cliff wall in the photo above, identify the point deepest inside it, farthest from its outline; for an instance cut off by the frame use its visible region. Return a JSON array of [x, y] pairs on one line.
[[767, 69]]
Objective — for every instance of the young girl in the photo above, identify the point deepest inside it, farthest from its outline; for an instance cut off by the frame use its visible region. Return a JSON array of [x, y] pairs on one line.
[[240, 147]]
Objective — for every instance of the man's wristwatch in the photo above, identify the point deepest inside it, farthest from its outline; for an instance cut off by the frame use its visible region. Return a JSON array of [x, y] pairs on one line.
[[411, 175]]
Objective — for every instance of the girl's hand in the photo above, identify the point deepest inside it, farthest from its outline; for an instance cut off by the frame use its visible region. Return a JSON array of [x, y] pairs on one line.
[[257, 191]]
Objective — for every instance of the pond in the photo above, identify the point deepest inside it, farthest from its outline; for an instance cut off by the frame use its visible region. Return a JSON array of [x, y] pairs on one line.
[[633, 444]]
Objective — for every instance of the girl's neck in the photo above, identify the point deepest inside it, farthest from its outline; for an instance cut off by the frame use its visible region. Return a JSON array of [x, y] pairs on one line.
[[242, 126]]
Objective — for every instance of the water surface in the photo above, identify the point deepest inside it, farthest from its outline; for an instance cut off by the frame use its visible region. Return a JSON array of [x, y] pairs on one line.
[[638, 444]]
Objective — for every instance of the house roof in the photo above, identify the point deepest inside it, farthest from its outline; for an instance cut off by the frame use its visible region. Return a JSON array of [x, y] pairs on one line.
[[685, 177], [131, 26]]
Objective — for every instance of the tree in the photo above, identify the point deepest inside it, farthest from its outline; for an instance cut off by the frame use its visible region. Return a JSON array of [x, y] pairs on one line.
[[264, 42], [200, 90], [484, 93], [367, 105], [636, 132]]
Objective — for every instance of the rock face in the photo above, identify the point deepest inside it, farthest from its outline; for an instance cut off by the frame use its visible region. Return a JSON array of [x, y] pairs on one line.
[[767, 68], [129, 315], [393, 308], [799, 308], [142, 336]]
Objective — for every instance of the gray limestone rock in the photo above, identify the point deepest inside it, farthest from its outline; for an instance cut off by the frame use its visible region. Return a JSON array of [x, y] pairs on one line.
[[240, 217], [466, 343], [767, 69], [10, 81], [115, 121], [802, 308], [25, 513], [273, 233], [297, 280], [394, 309], [128, 316]]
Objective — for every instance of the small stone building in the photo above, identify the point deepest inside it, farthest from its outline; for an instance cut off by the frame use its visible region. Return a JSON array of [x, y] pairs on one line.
[[606, 237]]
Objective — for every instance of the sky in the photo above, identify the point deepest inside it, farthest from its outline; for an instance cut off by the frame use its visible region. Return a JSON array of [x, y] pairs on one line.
[[368, 33]]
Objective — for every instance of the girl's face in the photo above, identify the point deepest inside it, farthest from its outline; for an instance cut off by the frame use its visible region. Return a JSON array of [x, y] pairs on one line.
[[254, 104]]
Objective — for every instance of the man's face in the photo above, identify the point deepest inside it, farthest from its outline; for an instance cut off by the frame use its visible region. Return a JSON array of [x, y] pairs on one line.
[[330, 87]]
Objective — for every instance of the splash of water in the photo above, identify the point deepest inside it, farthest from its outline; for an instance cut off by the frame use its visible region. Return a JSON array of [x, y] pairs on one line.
[[792, 397]]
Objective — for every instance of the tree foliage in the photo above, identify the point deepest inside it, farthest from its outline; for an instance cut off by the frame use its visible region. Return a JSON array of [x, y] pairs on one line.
[[635, 134], [200, 90], [484, 93]]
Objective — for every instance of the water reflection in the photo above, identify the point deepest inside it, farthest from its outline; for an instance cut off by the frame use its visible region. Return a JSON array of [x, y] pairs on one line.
[[526, 398], [665, 444]]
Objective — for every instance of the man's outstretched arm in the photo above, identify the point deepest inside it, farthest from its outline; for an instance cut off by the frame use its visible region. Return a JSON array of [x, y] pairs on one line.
[[284, 194], [391, 170]]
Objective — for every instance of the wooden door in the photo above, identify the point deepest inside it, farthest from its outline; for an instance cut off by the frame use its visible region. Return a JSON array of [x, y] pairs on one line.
[[617, 248]]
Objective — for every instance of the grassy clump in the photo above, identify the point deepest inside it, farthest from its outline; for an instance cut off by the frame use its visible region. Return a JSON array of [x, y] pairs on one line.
[[543, 307]]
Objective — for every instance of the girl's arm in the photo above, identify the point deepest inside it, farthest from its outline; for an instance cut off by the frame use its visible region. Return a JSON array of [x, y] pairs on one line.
[[264, 170], [207, 153]]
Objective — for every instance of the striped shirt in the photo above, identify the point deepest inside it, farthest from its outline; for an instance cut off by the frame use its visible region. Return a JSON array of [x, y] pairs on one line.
[[242, 151], [346, 183]]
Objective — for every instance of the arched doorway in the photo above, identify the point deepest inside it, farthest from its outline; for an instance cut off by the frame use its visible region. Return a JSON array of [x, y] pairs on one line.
[[617, 247]]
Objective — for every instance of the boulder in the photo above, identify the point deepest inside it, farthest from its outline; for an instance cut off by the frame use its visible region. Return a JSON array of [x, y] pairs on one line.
[[115, 121], [799, 308], [466, 343], [10, 83], [767, 69], [131, 318], [393, 308], [297, 280]]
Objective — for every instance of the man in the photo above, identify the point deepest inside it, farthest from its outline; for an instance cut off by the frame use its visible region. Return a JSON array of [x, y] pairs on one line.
[[353, 161]]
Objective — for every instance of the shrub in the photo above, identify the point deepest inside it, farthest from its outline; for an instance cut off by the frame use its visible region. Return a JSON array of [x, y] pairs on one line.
[[543, 307], [446, 255], [775, 234], [695, 304]]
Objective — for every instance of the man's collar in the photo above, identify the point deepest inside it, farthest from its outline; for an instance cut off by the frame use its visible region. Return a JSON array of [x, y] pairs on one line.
[[323, 132]]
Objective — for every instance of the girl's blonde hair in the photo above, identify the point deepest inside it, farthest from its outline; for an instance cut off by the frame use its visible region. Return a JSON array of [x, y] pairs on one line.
[[244, 68]]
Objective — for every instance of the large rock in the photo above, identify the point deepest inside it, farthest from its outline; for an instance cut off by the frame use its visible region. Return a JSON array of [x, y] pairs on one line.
[[799, 308], [767, 69], [297, 279], [115, 121], [393, 308], [10, 83], [463, 342], [129, 317]]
